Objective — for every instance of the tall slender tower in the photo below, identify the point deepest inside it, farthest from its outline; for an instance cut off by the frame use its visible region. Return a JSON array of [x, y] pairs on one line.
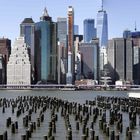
[[46, 49], [102, 27], [71, 65]]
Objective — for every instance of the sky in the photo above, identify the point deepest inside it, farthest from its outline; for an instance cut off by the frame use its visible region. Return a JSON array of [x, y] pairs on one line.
[[122, 14]]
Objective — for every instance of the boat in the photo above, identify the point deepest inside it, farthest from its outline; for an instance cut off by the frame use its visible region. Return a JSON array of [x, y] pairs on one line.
[[134, 94]]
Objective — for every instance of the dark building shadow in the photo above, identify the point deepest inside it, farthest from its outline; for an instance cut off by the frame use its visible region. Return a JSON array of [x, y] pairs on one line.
[[111, 72], [136, 74]]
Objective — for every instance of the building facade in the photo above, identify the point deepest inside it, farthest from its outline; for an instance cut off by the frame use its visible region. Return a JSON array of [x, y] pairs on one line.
[[46, 49], [77, 40], [103, 58], [127, 34], [27, 30], [102, 28], [5, 50], [120, 58], [89, 30], [19, 67], [76, 30], [90, 60], [136, 55], [135, 37], [71, 57], [136, 67], [62, 49], [2, 70]]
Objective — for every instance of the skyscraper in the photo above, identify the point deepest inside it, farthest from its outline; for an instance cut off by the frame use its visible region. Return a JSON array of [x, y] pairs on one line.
[[89, 30], [135, 37], [46, 49], [62, 30], [90, 59], [120, 57], [71, 57], [136, 67], [102, 27], [19, 67], [62, 49], [5, 50], [27, 30]]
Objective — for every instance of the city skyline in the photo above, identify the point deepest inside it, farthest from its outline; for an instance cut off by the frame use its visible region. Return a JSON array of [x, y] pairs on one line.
[[121, 14]]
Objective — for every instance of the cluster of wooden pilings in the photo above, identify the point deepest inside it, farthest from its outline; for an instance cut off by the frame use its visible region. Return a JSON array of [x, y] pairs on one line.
[[112, 118]]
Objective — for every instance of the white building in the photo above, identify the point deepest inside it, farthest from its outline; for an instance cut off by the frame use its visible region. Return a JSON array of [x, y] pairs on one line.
[[103, 57], [77, 59], [19, 67]]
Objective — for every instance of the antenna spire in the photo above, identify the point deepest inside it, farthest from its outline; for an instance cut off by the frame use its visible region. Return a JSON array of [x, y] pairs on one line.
[[102, 5], [135, 26]]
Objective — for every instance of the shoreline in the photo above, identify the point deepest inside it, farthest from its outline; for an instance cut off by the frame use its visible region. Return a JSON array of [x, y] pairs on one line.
[[69, 89]]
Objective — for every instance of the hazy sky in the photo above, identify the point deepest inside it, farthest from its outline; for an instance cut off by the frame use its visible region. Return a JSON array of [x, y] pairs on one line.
[[122, 14]]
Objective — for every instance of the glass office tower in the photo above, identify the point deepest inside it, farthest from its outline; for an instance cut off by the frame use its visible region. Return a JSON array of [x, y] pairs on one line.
[[102, 28], [46, 51], [89, 30]]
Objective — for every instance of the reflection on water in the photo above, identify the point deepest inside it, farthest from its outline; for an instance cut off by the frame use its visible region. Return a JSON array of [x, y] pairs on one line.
[[71, 96]]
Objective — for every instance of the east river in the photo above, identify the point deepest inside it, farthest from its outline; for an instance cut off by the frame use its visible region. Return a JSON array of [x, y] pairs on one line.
[[42, 130]]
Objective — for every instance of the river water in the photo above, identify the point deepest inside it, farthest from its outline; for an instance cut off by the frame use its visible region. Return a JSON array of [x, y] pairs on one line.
[[71, 96]]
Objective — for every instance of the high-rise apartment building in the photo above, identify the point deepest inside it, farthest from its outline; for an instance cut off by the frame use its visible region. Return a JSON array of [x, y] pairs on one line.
[[120, 57], [71, 50], [62, 49], [19, 67], [102, 27], [89, 30], [27, 30], [46, 49]]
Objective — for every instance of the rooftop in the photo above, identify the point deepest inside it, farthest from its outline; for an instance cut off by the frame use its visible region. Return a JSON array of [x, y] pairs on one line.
[[28, 20]]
